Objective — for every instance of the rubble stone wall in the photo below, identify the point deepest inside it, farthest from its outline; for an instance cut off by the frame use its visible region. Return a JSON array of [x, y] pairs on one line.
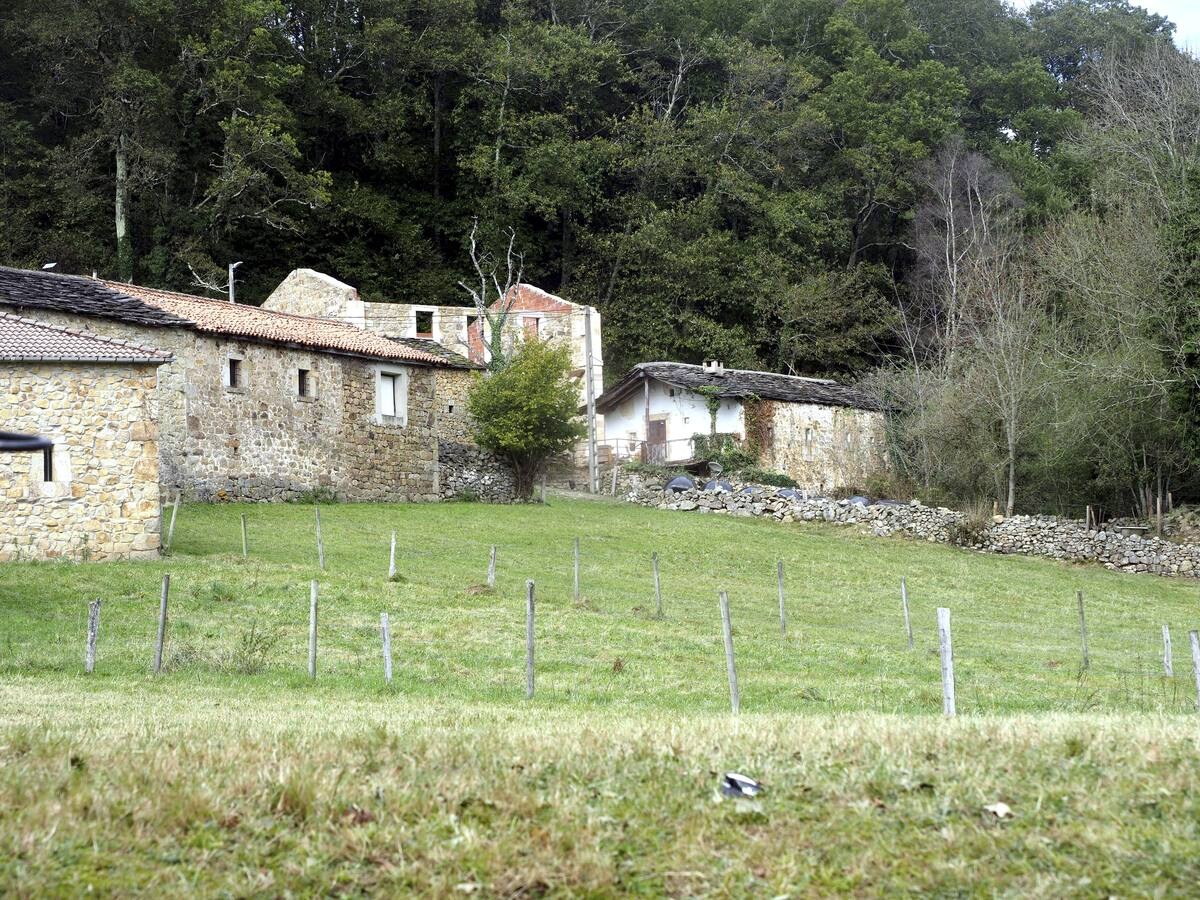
[[1049, 536], [262, 440], [103, 499]]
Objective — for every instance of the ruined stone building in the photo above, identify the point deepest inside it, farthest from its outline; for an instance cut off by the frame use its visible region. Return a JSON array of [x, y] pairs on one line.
[[244, 403], [823, 434], [531, 312]]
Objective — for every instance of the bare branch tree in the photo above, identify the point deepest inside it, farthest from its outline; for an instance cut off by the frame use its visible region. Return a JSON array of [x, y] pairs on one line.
[[494, 300]]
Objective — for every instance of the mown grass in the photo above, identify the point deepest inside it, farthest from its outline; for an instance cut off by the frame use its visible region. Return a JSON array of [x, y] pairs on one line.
[[200, 791], [233, 774], [1016, 629]]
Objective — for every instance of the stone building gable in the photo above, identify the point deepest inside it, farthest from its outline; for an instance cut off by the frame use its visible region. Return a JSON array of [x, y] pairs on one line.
[[103, 499]]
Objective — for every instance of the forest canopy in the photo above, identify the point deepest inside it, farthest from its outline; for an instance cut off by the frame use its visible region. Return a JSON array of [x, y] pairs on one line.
[[984, 207]]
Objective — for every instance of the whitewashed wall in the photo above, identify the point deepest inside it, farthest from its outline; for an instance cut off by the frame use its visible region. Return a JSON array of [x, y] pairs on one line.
[[686, 414]]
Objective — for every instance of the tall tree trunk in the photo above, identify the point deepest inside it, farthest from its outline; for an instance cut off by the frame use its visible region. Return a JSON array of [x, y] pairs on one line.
[[438, 80], [1012, 472], [121, 213], [567, 252]]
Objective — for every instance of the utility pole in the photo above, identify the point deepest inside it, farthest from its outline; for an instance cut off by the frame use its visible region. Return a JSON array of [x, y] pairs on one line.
[[232, 266], [590, 393]]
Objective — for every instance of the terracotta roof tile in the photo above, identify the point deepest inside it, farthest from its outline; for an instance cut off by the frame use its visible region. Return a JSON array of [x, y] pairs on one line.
[[239, 320], [24, 340]]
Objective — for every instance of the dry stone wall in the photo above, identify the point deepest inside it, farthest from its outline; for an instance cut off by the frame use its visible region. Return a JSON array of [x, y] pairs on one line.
[[1048, 536], [103, 501], [470, 472]]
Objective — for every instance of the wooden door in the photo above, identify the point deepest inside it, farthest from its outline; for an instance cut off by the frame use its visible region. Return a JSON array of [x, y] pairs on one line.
[[656, 441]]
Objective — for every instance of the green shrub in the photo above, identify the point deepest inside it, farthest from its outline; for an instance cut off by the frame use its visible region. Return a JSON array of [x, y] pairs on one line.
[[766, 476], [316, 495], [725, 449], [527, 411]]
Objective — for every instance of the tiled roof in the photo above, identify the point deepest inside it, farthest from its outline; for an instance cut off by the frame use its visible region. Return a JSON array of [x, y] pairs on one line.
[[24, 340], [449, 357], [251, 322], [84, 296], [740, 383]]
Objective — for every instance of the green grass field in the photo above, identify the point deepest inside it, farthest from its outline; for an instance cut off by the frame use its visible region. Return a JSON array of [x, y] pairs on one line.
[[233, 774]]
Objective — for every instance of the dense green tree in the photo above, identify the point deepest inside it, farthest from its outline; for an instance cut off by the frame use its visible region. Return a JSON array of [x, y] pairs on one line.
[[730, 179]]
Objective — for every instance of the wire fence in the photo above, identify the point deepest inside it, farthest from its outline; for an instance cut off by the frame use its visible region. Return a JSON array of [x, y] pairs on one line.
[[775, 644]]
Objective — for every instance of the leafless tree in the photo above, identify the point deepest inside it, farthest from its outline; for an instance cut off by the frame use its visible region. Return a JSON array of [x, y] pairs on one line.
[[494, 299], [1146, 115]]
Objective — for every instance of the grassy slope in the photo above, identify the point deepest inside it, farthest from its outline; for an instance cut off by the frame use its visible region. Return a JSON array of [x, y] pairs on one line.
[[248, 783], [1015, 623]]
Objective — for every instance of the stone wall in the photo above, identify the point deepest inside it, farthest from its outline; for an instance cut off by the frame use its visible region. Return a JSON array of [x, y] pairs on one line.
[[104, 500], [453, 386], [265, 442], [470, 472], [822, 447], [1048, 536]]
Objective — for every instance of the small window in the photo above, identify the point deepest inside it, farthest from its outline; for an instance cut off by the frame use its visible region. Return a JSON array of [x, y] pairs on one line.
[[425, 323], [233, 373], [391, 397], [531, 326], [48, 464], [303, 383], [671, 392], [449, 407]]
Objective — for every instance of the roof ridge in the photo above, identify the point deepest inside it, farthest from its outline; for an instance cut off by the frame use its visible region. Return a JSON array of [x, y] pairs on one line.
[[225, 304], [87, 335]]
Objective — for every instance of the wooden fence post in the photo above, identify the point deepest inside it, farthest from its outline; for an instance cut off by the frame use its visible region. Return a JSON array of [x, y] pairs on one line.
[[947, 650], [658, 609], [576, 570], [529, 602], [392, 559], [904, 604], [1194, 637], [320, 542], [735, 697], [782, 613], [162, 624], [1083, 630], [386, 631], [93, 629], [171, 530], [491, 578], [1168, 662], [312, 629], [245, 544]]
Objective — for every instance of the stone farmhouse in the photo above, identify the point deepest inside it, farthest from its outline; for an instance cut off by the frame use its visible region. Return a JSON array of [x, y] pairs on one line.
[[95, 494], [823, 434], [242, 402]]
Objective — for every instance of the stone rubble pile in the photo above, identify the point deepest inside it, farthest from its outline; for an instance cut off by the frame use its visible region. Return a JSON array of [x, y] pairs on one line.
[[468, 471], [1049, 536]]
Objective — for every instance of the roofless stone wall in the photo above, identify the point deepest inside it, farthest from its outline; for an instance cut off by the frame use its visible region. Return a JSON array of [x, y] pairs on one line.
[[1049, 536], [103, 500]]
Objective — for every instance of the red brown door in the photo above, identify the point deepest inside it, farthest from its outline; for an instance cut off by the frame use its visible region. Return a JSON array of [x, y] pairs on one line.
[[656, 442]]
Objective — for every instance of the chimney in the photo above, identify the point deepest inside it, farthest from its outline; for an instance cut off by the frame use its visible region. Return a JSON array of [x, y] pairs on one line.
[[713, 367]]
